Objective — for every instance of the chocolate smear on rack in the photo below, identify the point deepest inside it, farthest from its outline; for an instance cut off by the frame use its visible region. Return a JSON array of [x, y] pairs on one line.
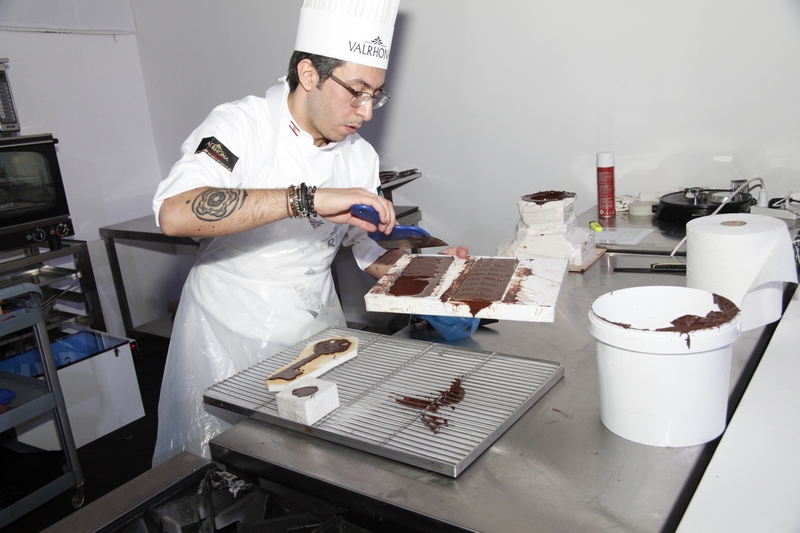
[[431, 404], [548, 196], [421, 276], [485, 283], [326, 347], [302, 392]]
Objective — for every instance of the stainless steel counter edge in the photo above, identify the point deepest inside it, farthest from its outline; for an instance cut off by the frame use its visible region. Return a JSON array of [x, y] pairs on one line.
[[315, 467], [109, 512]]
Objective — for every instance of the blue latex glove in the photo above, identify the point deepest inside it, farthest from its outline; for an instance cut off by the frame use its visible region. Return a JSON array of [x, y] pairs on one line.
[[453, 327]]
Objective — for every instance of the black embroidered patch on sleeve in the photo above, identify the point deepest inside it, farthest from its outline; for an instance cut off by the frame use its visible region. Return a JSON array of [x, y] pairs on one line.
[[218, 152]]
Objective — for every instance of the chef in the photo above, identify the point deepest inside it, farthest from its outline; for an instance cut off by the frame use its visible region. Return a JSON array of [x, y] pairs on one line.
[[267, 185]]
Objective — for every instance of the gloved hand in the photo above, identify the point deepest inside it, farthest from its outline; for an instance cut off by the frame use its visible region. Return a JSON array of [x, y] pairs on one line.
[[452, 327]]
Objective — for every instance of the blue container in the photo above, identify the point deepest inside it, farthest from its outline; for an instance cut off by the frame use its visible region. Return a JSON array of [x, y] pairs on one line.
[[66, 351]]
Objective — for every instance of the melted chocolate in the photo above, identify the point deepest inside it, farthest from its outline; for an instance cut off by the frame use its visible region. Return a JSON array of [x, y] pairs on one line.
[[420, 276], [448, 293], [548, 196], [411, 401], [485, 283], [516, 286], [454, 394], [430, 404], [302, 392], [326, 347], [434, 422], [688, 323]]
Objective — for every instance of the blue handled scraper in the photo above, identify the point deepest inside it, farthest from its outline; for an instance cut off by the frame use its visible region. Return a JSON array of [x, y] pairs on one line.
[[405, 237]]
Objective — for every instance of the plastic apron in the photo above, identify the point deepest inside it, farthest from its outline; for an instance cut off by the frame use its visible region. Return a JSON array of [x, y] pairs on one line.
[[249, 296]]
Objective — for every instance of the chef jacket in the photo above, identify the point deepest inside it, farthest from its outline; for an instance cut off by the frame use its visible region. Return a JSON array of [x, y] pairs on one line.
[[255, 293]]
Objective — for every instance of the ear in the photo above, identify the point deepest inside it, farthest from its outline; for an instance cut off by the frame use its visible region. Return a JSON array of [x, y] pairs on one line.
[[308, 75]]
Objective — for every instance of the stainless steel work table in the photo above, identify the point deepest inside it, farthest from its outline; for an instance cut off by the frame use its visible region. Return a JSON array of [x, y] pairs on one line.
[[556, 469]]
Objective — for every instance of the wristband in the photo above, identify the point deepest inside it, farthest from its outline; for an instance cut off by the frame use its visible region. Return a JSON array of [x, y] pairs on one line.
[[293, 202], [304, 199]]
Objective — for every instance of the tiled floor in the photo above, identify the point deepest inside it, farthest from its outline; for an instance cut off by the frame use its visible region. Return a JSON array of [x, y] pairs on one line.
[[107, 463]]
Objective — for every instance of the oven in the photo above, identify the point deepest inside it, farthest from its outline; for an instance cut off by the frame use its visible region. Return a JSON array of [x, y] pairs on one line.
[[33, 202]]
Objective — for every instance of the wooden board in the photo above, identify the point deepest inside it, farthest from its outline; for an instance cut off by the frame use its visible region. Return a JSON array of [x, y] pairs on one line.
[[598, 252]]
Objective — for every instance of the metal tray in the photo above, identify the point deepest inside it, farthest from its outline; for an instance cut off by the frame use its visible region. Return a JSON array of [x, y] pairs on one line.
[[499, 389]]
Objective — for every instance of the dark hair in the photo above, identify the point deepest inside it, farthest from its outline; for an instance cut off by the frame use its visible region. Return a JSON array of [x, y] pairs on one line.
[[324, 65]]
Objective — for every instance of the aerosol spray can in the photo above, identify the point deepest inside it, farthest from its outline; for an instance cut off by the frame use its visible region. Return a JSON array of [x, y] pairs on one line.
[[605, 185]]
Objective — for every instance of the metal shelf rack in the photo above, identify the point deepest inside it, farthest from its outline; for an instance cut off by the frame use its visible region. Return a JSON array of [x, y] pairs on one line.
[[36, 396]]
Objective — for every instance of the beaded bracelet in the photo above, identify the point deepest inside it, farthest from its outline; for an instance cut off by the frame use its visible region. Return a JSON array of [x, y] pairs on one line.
[[300, 201], [291, 199], [311, 193]]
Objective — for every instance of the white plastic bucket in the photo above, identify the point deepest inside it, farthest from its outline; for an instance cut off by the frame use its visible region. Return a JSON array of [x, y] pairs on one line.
[[662, 388]]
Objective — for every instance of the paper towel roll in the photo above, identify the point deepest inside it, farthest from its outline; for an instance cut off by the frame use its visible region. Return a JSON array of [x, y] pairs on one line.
[[745, 258]]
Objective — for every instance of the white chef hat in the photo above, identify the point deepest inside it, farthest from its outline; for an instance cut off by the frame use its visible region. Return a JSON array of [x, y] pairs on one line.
[[359, 31]]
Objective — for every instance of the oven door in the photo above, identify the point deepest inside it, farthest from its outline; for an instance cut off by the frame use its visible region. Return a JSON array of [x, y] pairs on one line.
[[33, 202]]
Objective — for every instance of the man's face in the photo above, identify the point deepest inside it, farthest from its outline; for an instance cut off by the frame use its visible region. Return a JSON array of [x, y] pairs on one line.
[[330, 117]]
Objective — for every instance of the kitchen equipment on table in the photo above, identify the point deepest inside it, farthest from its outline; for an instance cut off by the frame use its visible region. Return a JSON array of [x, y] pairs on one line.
[[497, 389], [528, 292], [404, 237], [669, 268], [664, 388], [33, 198], [9, 122], [680, 207]]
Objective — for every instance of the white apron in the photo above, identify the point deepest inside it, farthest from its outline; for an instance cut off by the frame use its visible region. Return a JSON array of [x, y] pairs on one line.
[[250, 296]]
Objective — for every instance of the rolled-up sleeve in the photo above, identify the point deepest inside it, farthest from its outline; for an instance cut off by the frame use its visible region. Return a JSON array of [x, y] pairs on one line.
[[197, 169]]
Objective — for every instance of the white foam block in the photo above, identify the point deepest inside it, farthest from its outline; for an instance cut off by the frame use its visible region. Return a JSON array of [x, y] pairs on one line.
[[549, 229], [302, 404]]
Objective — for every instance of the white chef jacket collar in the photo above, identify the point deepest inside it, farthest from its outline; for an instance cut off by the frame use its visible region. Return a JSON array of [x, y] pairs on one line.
[[288, 123]]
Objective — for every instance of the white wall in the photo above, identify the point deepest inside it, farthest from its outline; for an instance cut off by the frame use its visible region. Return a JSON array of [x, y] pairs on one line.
[[87, 90], [491, 100], [540, 87], [494, 100]]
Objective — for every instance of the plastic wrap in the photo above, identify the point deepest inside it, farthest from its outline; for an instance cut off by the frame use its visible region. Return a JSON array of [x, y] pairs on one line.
[[223, 326], [254, 293]]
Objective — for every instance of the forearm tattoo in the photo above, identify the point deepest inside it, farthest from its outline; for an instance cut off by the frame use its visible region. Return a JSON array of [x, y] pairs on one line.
[[212, 205]]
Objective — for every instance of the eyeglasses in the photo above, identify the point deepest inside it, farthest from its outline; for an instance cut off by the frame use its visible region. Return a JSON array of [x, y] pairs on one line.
[[361, 98]]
